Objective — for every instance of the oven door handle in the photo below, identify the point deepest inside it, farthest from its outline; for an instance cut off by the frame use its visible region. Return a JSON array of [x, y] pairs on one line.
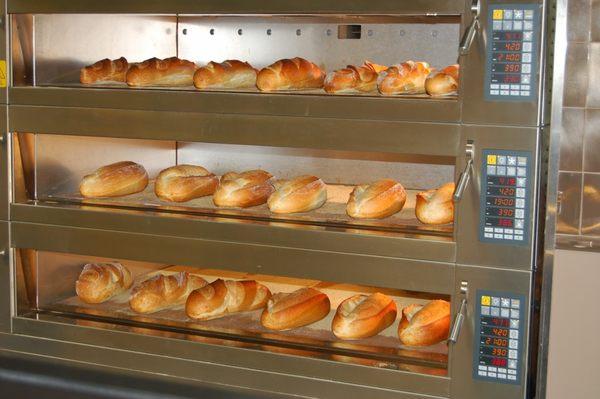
[[458, 322], [467, 39]]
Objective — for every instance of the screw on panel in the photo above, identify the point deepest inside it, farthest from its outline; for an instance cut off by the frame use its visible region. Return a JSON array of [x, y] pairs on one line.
[[240, 32], [212, 31], [402, 32], [370, 32], [298, 32], [434, 33], [184, 31], [328, 32], [269, 32]]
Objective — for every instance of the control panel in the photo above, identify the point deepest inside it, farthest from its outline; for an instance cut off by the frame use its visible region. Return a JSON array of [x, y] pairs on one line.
[[499, 337], [505, 197], [513, 34]]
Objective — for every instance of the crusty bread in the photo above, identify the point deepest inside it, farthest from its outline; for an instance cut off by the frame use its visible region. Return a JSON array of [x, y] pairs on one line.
[[164, 291], [105, 71], [286, 311], [302, 194], [425, 325], [436, 206], [444, 82], [377, 200], [98, 282], [155, 72], [222, 297], [362, 316], [290, 74], [406, 78], [354, 79], [230, 74], [114, 180], [243, 190], [185, 182]]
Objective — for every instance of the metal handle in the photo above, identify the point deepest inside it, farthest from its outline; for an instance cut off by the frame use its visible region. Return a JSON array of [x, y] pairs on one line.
[[467, 39], [463, 181], [458, 322]]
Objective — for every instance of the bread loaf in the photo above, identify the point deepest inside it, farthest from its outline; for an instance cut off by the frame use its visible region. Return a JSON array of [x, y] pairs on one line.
[[244, 189], [114, 180], [363, 316], [230, 74], [98, 282], [425, 325], [184, 182], [406, 78], [155, 72], [353, 79], [376, 201], [105, 71], [164, 291], [286, 311], [220, 298], [290, 74], [436, 206], [444, 82], [301, 194]]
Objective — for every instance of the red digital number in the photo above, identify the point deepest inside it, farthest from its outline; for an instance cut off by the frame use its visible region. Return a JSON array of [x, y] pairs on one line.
[[504, 201], [506, 212], [514, 57], [512, 68], [499, 362], [505, 223], [512, 46], [509, 192]]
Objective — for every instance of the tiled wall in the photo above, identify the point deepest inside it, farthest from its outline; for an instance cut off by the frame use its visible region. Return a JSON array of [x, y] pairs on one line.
[[579, 176]]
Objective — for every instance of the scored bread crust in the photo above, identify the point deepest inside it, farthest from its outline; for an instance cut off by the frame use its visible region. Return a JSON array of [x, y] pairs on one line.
[[164, 291], [105, 70], [98, 282], [222, 297], [378, 200], [230, 74], [243, 190], [185, 182], [290, 74], [406, 78], [156, 72], [436, 206], [425, 325], [444, 82], [363, 316], [353, 79], [286, 311], [114, 180], [301, 194]]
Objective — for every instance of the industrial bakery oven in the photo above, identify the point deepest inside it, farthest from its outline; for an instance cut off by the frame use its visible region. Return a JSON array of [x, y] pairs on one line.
[[465, 283]]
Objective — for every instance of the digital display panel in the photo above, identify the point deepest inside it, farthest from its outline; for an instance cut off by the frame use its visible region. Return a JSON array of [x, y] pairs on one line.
[[499, 222], [507, 46], [506, 78], [507, 57], [501, 191], [507, 36]]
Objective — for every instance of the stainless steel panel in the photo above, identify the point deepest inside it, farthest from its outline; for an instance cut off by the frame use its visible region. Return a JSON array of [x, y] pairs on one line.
[[66, 43], [576, 75], [578, 21], [571, 139], [6, 279], [593, 91], [590, 212], [591, 141], [5, 168], [595, 29], [569, 203], [3, 51]]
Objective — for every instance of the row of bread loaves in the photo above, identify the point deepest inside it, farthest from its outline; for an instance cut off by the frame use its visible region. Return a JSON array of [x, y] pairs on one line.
[[360, 316], [181, 183], [409, 77]]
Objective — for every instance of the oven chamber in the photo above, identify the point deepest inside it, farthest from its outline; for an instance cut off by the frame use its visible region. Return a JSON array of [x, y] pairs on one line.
[[60, 131]]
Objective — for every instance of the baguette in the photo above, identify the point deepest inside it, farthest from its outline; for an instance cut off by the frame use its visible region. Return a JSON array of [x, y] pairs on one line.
[[98, 282], [353, 79], [164, 291], [425, 325], [105, 71], [230, 74], [155, 72], [376, 201], [244, 189], [302, 194], [290, 74], [406, 78], [182, 183], [286, 311], [436, 206], [363, 316], [220, 298], [114, 180], [444, 82]]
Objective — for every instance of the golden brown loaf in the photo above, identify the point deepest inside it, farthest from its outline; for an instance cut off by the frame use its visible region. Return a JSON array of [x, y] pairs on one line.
[[168, 72], [185, 182], [362, 316], [230, 74], [98, 282], [105, 71], [376, 201], [425, 325], [353, 79], [222, 297], [436, 206], [302, 194], [164, 291], [406, 78], [114, 180], [286, 311], [444, 82], [290, 74], [244, 189]]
